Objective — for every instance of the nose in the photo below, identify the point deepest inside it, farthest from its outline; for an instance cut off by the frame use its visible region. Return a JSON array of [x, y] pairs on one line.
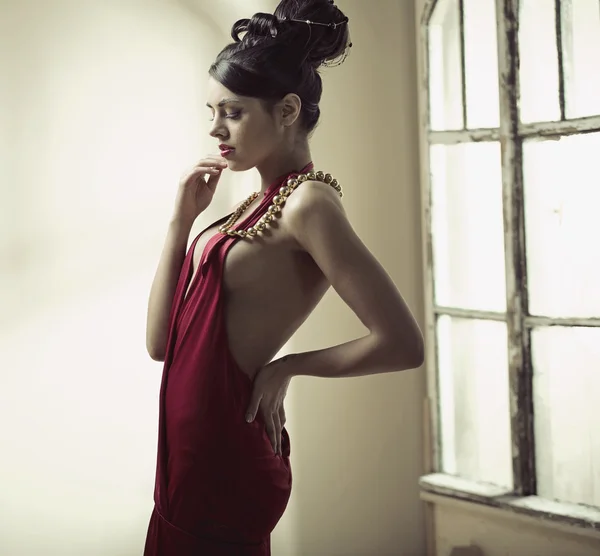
[[216, 129]]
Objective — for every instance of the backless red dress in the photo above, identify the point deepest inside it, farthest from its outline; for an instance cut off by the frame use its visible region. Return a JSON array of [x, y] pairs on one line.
[[220, 490]]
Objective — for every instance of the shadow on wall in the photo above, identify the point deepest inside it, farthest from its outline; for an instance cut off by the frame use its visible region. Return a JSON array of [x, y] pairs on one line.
[[107, 110]]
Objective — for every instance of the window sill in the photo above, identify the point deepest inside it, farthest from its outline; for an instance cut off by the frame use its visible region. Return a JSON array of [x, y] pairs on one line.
[[440, 488]]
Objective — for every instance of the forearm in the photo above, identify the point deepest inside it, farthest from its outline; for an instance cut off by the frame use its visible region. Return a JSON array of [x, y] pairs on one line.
[[163, 287], [369, 355]]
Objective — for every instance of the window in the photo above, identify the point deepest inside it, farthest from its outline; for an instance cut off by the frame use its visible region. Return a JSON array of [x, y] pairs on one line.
[[513, 269]]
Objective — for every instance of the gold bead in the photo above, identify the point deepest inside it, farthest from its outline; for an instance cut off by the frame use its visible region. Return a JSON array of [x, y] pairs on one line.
[[275, 209]]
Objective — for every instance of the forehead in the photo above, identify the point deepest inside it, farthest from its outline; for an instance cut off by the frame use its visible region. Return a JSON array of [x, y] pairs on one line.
[[217, 93]]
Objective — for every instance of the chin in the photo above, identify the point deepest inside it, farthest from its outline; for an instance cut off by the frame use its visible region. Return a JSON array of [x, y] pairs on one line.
[[238, 166]]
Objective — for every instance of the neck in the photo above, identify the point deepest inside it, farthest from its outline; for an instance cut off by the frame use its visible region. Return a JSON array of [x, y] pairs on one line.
[[283, 163]]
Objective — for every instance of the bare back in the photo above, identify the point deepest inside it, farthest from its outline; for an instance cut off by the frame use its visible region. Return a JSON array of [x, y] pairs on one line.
[[270, 286]]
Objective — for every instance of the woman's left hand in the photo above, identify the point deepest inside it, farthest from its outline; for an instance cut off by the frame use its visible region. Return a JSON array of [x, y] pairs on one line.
[[270, 387]]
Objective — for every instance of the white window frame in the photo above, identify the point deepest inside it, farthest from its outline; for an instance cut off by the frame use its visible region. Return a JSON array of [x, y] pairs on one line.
[[511, 134]]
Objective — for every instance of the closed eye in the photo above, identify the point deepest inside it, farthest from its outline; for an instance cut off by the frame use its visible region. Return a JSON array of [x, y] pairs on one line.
[[232, 116]]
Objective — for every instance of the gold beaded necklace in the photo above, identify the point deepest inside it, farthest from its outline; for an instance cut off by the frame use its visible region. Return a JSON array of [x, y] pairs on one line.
[[275, 209]]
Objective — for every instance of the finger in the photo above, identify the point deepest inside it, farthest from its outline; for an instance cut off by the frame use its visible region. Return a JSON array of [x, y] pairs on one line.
[[213, 180], [253, 406], [213, 169], [277, 432], [272, 432], [282, 417], [208, 165], [212, 160]]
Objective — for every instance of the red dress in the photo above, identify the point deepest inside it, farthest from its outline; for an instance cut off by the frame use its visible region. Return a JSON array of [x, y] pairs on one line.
[[220, 490]]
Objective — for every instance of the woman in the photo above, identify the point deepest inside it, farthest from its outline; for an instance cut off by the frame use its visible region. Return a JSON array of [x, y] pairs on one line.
[[218, 315]]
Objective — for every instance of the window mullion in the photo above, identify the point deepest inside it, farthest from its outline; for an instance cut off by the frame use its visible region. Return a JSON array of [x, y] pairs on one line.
[[428, 9], [463, 65], [561, 58], [432, 428], [455, 137], [520, 369]]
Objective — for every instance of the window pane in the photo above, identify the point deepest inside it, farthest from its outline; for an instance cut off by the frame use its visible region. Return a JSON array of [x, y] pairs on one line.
[[467, 226], [445, 74], [581, 47], [562, 197], [566, 393], [481, 64], [538, 61], [474, 400]]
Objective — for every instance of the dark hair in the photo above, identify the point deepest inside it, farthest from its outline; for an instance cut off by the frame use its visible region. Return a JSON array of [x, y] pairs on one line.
[[278, 56]]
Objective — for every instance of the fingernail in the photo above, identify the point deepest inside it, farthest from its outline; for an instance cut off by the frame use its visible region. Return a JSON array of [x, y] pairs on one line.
[[248, 418]]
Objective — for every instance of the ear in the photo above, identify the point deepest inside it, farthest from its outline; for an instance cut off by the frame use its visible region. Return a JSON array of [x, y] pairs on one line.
[[290, 108]]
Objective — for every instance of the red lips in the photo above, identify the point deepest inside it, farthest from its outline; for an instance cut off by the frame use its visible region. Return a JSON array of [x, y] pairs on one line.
[[226, 151]]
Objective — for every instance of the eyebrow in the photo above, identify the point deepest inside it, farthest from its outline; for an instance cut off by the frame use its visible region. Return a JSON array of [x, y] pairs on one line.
[[224, 102]]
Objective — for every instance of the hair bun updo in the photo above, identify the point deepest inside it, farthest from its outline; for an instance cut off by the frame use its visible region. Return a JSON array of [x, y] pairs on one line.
[[261, 26], [280, 53], [326, 39]]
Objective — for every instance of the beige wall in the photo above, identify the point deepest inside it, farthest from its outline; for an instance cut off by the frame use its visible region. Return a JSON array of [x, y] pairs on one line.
[[106, 110], [499, 533], [495, 532], [358, 443]]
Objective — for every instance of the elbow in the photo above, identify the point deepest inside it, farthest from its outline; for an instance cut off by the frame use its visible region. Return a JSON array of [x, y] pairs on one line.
[[409, 353], [153, 346], [158, 357], [155, 354]]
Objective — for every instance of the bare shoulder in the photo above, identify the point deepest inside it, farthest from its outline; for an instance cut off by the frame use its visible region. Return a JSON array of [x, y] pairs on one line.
[[312, 201], [313, 191]]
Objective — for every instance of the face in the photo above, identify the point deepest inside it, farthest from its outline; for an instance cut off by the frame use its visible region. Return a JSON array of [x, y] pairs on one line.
[[244, 124]]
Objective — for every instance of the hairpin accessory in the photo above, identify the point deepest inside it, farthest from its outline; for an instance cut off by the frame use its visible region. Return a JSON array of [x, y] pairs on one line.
[[333, 26], [340, 60], [309, 22]]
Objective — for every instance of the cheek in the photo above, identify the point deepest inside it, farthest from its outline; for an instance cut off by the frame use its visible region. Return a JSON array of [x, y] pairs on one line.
[[258, 138]]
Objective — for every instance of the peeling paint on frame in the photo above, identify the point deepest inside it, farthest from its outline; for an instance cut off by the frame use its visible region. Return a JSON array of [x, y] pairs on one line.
[[511, 135]]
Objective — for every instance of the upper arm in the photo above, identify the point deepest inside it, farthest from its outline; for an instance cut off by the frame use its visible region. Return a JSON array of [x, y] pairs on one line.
[[319, 224]]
